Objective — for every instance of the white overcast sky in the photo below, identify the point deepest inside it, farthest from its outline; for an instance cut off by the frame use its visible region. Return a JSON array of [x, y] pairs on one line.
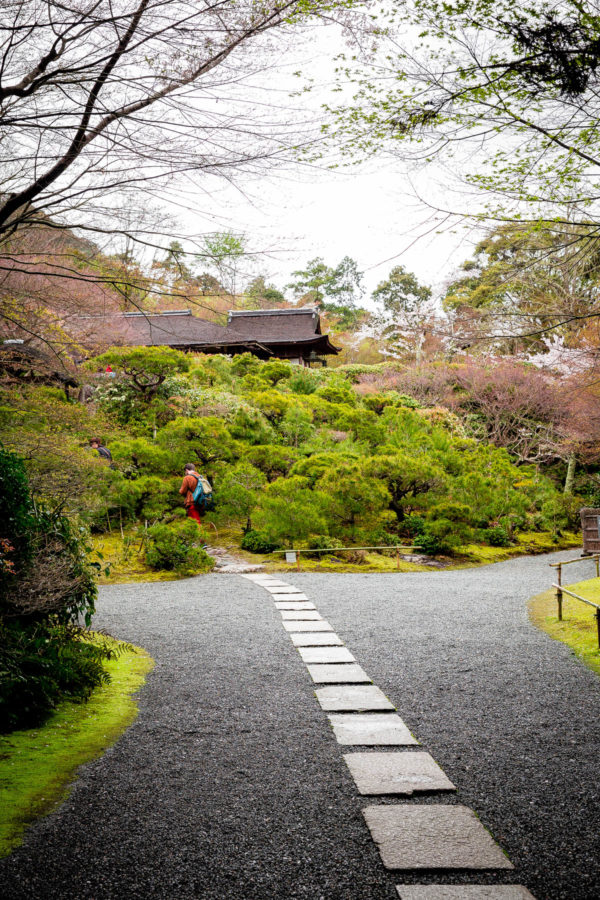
[[369, 212]]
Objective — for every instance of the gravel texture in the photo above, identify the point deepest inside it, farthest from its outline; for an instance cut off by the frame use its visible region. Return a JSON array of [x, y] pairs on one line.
[[230, 783]]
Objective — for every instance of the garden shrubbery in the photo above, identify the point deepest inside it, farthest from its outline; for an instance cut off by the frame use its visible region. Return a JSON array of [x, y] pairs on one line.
[[43, 663], [47, 588], [342, 455], [257, 542], [178, 547]]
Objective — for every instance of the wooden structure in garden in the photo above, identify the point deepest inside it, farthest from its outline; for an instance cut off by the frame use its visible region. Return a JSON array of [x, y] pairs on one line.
[[291, 334], [590, 527]]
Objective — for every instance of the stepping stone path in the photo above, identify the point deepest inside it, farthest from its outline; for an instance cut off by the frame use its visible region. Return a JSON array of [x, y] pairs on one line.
[[318, 639], [336, 674], [321, 625], [396, 773], [371, 730], [326, 655], [433, 837], [300, 615], [443, 837], [359, 698], [292, 605]]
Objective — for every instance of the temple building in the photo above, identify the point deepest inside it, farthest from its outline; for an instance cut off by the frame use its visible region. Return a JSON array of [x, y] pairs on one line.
[[291, 334]]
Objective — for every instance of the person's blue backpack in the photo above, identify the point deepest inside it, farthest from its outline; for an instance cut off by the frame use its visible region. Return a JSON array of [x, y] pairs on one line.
[[203, 493]]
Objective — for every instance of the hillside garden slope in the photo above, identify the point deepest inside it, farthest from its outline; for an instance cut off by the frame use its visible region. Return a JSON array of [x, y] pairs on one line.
[[297, 457]]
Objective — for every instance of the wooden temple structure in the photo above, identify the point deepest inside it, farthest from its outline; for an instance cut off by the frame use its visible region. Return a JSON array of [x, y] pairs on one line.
[[291, 334]]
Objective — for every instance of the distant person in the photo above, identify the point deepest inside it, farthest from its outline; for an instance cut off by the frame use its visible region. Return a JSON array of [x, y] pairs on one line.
[[188, 486], [103, 451], [109, 371]]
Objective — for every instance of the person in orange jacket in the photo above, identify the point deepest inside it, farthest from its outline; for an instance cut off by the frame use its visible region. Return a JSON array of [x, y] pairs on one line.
[[188, 486]]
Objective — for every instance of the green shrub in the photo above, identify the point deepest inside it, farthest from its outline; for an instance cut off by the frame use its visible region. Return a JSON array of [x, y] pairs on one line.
[[297, 426], [251, 426], [321, 542], [45, 569], [430, 543], [272, 404], [376, 402], [290, 513], [405, 400], [413, 525], [239, 491], [257, 542], [496, 536], [275, 370], [252, 382], [46, 583], [244, 364], [16, 517], [176, 547], [337, 391], [380, 537], [44, 663], [272, 459], [302, 382]]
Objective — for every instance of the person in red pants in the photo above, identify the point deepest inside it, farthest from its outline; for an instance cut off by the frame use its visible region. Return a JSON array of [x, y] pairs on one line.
[[188, 486]]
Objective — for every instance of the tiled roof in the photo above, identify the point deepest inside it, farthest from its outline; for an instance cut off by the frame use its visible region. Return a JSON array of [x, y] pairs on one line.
[[280, 325], [157, 329], [182, 329]]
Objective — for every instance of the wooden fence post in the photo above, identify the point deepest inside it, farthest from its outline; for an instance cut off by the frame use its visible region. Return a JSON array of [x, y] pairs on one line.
[[559, 593]]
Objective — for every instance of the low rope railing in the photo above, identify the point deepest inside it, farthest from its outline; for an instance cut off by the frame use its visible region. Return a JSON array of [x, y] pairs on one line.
[[294, 552], [560, 590]]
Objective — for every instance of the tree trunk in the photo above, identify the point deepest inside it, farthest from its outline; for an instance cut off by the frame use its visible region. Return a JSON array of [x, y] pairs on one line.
[[570, 478]]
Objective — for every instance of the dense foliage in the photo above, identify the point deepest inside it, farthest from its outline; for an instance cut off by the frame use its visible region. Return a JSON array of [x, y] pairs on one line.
[[47, 587], [177, 547], [352, 455]]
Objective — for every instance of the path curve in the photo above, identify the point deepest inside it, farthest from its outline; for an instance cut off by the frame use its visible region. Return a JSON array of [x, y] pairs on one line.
[[231, 785]]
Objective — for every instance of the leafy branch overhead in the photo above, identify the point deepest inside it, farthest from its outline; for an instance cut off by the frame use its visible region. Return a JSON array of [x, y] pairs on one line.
[[504, 94]]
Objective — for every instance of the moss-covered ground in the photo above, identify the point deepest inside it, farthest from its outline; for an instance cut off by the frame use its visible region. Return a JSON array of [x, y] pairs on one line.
[[127, 563], [126, 558], [38, 765], [578, 627], [467, 557]]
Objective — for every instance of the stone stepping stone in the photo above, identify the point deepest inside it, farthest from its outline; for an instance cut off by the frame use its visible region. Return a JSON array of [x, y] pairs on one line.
[[282, 589], [463, 892], [326, 655], [292, 605], [396, 773], [358, 697], [268, 585], [371, 730], [432, 837], [301, 615], [317, 639], [350, 673], [322, 625], [261, 579]]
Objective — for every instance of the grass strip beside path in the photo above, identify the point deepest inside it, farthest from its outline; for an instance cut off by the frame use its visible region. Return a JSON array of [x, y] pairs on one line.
[[578, 628], [37, 766]]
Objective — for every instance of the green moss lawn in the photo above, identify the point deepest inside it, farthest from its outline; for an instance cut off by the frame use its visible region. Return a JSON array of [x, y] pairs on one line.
[[38, 765], [578, 627]]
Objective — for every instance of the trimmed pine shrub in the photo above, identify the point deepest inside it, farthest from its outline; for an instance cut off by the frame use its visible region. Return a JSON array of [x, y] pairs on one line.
[[177, 547]]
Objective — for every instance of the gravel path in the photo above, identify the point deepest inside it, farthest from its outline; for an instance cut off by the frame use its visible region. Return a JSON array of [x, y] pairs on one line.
[[231, 785]]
